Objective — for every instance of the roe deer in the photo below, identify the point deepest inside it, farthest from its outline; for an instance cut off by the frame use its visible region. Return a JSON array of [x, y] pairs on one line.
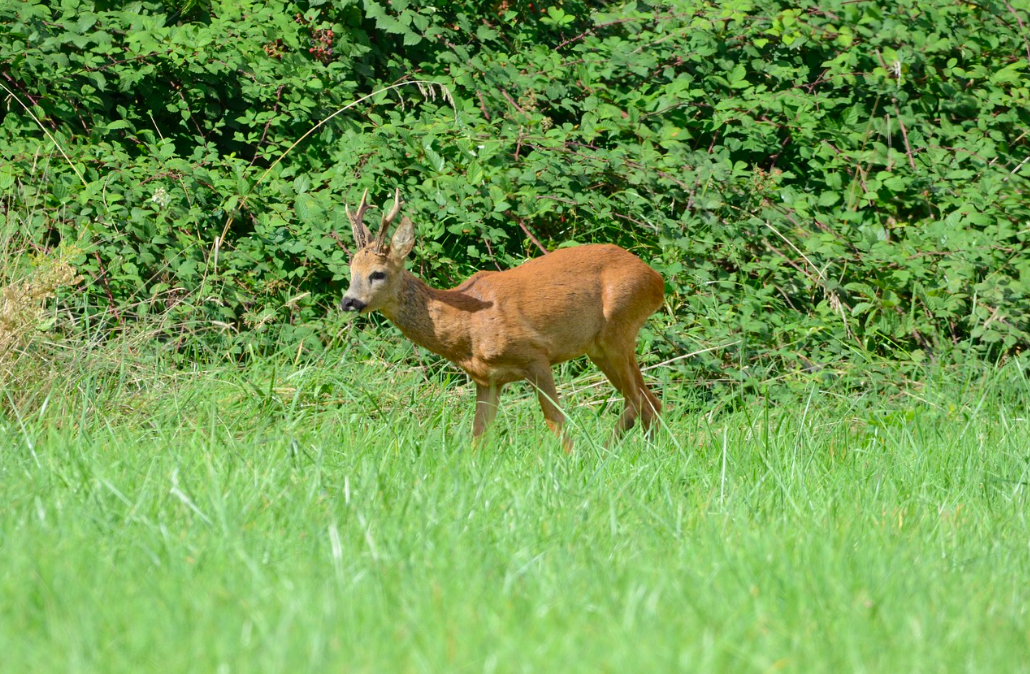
[[503, 326]]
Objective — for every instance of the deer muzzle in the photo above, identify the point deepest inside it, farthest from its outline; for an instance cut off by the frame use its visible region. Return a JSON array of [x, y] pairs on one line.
[[352, 304]]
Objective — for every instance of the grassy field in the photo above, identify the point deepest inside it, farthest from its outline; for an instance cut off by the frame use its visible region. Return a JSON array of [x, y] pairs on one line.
[[334, 518]]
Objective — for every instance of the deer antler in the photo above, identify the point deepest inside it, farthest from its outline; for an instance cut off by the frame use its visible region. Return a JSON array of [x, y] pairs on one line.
[[388, 218], [357, 226]]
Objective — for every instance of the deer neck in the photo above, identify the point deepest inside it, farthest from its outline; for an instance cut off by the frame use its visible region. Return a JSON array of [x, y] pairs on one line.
[[423, 315]]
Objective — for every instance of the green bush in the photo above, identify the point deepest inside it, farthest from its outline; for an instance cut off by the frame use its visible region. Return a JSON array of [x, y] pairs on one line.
[[816, 183]]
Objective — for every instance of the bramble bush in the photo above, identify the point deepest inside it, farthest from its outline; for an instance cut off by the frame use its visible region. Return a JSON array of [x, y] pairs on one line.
[[817, 182]]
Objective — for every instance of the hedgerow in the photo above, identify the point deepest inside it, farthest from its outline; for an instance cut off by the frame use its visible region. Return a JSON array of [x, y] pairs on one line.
[[817, 182]]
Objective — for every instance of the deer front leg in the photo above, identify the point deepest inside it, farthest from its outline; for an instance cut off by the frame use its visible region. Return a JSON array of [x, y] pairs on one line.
[[540, 376], [487, 399]]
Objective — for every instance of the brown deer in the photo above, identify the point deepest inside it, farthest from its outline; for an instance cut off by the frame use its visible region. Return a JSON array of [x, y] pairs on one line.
[[504, 326]]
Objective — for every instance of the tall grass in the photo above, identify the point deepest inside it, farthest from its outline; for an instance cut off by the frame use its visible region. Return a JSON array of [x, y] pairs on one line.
[[334, 518]]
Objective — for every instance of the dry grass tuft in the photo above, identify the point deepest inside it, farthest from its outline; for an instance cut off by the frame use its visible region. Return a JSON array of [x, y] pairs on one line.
[[23, 303]]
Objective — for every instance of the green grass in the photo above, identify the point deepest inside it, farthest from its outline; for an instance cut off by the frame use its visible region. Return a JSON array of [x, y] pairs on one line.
[[334, 518]]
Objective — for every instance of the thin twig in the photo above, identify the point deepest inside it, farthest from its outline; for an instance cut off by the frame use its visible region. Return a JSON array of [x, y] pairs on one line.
[[642, 224], [107, 288], [526, 230], [264, 132], [1018, 166], [482, 105], [518, 145], [904, 134], [17, 85], [336, 237], [1023, 28], [689, 355], [490, 250], [48, 134], [789, 261], [512, 101], [192, 118], [590, 31], [552, 197], [796, 250]]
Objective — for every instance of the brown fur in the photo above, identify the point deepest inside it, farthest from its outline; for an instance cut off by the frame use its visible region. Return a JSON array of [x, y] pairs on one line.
[[501, 327]]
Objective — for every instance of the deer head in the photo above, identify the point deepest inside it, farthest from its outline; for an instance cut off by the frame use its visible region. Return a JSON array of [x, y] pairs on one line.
[[376, 268]]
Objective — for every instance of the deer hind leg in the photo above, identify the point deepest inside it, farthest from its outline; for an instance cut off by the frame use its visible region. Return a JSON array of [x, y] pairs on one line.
[[624, 374], [540, 376], [487, 402], [647, 403]]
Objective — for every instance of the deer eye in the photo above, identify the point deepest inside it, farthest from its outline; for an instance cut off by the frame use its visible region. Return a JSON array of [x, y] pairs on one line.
[[376, 276]]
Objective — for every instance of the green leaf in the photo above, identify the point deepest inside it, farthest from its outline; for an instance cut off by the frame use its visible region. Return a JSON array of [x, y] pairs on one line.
[[307, 208], [434, 158], [827, 199], [1011, 74], [391, 25]]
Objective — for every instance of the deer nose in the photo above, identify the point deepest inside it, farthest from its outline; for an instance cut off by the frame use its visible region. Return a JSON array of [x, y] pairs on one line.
[[351, 304]]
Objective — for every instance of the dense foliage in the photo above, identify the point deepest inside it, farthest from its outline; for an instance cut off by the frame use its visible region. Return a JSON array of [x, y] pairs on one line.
[[829, 179]]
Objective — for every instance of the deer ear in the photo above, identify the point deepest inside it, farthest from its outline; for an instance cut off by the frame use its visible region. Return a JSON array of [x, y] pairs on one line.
[[403, 239]]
